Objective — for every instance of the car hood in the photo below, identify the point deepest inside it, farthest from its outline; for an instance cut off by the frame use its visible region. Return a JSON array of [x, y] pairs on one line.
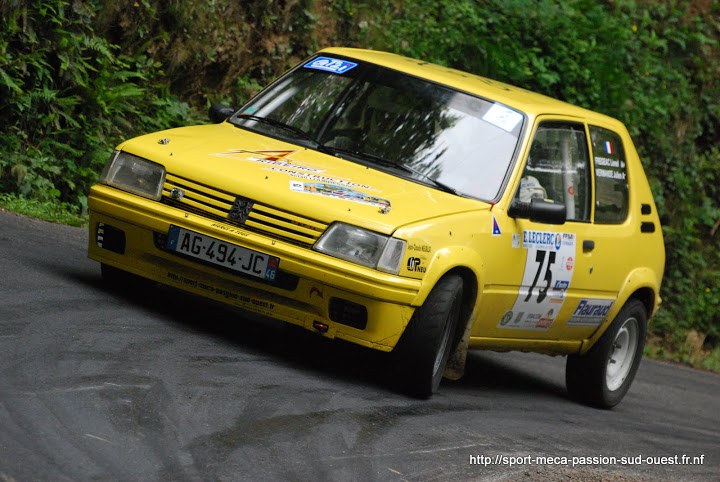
[[294, 178]]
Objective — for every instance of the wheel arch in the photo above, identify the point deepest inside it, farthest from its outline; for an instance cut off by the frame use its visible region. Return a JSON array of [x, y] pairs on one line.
[[456, 362], [646, 295], [470, 294]]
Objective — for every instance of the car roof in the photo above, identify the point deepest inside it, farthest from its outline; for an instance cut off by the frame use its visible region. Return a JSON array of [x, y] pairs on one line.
[[521, 99]]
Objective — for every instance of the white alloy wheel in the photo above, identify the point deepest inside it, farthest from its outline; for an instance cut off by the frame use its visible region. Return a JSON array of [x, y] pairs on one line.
[[622, 354]]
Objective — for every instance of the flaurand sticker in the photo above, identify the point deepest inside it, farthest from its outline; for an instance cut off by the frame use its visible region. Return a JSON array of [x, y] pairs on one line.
[[590, 312], [339, 192], [546, 278]]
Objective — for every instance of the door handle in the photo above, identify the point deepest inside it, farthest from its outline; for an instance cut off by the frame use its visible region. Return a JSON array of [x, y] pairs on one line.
[[588, 245]]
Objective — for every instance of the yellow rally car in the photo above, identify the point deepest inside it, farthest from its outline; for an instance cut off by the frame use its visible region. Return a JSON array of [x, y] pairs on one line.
[[405, 207]]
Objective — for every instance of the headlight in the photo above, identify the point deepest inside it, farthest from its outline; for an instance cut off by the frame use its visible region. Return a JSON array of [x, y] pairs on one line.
[[363, 247], [134, 174]]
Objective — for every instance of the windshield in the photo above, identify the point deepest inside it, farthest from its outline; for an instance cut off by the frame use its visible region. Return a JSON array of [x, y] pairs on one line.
[[430, 133]]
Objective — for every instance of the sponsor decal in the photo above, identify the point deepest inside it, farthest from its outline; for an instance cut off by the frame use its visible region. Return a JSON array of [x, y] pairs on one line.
[[230, 229], [413, 264], [569, 263], [516, 240], [273, 158], [330, 64], [320, 178], [495, 227], [590, 312], [546, 320], [542, 240], [419, 247], [506, 318], [339, 192], [246, 302], [502, 117], [545, 280]]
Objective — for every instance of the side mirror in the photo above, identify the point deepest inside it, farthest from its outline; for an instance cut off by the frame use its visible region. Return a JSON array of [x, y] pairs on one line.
[[219, 112], [538, 211]]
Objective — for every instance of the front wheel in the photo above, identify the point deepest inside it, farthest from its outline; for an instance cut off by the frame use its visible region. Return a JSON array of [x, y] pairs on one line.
[[604, 374], [428, 340]]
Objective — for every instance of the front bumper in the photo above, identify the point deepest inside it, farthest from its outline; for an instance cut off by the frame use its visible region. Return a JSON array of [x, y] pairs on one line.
[[321, 293]]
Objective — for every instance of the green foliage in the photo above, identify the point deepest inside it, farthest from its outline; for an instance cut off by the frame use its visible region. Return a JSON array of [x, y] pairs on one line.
[[205, 47], [66, 97]]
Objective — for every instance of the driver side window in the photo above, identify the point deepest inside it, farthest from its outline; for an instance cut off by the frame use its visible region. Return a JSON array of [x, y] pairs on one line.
[[557, 168]]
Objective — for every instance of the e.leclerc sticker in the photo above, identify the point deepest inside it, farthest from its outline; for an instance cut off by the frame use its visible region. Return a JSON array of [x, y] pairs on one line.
[[545, 281]]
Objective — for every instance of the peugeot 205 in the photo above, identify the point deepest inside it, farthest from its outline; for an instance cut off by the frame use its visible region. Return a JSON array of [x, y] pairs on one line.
[[405, 207]]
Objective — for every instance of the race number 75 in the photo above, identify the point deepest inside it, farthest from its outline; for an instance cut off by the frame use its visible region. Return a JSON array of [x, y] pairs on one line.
[[540, 258]]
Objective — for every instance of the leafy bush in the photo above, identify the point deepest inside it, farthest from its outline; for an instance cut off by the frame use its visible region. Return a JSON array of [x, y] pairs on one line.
[[66, 97]]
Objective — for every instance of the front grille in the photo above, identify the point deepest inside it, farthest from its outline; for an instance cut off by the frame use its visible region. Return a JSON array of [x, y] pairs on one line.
[[216, 204]]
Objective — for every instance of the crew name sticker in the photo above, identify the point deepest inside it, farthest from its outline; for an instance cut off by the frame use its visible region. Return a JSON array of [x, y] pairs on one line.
[[547, 276]]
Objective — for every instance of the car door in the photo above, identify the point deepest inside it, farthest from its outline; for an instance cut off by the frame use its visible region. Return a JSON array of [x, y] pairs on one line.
[[541, 272], [609, 249]]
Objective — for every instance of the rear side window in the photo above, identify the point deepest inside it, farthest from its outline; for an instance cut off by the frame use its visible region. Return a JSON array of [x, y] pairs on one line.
[[611, 186]]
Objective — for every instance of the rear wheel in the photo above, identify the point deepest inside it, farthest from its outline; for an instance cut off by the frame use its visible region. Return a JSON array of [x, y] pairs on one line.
[[604, 374], [429, 338]]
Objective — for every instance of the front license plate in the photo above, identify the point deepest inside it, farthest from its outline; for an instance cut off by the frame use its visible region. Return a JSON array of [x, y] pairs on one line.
[[224, 254]]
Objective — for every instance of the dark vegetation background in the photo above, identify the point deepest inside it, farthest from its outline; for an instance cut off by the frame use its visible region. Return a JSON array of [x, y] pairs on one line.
[[78, 76]]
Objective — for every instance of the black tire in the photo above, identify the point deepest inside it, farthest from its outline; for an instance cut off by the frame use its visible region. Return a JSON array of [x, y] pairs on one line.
[[603, 375], [428, 340]]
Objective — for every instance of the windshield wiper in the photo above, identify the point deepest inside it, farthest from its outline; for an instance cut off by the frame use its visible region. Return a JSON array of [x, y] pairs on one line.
[[281, 125], [385, 163], [434, 182]]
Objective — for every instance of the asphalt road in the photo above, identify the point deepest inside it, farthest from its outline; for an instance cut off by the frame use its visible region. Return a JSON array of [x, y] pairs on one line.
[[153, 384]]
